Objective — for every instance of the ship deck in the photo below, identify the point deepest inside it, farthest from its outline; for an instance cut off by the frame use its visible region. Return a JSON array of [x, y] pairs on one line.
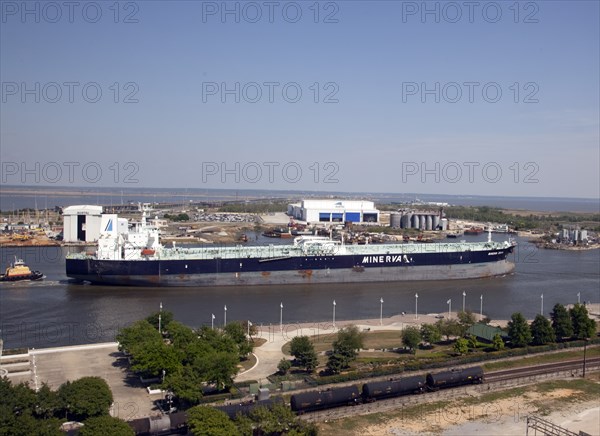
[[286, 251]]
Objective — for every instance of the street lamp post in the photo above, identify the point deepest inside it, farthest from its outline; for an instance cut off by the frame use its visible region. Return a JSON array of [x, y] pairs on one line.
[[159, 317], [212, 321], [481, 307], [464, 295], [334, 304], [542, 305], [416, 306], [449, 302], [281, 316], [579, 298], [381, 311], [225, 315]]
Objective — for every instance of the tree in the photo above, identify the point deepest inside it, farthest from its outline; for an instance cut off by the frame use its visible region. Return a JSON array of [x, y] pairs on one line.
[[47, 402], [519, 332], [165, 319], [350, 336], [449, 327], [583, 326], [156, 357], [497, 342], [185, 384], [208, 421], [466, 319], [345, 348], [461, 346], [284, 366], [335, 363], [411, 337], [105, 425], [219, 368], [472, 341], [541, 331], [86, 397], [304, 352], [132, 338], [430, 333], [276, 420], [237, 332], [561, 322]]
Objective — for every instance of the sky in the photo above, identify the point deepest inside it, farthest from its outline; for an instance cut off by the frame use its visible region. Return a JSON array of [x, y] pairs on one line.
[[478, 98]]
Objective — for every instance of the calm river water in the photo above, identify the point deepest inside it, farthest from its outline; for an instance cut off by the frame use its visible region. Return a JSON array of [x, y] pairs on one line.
[[56, 312]]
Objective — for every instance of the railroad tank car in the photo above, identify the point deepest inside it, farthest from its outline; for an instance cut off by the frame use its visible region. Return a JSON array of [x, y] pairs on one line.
[[315, 400], [454, 378], [174, 423], [394, 388]]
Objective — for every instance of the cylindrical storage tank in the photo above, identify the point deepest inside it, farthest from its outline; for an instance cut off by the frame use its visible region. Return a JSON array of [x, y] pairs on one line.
[[315, 400], [444, 222], [415, 221], [421, 222], [428, 222], [394, 388], [436, 222], [458, 377], [407, 220], [395, 220]]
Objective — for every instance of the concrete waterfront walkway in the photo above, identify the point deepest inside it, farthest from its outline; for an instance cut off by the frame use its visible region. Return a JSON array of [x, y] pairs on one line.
[[270, 353]]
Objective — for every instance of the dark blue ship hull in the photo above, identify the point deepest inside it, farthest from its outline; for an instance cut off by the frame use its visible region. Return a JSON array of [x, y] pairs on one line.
[[297, 269]]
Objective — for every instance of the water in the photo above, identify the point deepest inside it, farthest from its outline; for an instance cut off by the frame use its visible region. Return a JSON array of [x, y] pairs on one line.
[[41, 197], [56, 312]]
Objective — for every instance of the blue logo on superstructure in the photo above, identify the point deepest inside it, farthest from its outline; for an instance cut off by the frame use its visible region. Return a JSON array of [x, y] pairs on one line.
[[108, 226]]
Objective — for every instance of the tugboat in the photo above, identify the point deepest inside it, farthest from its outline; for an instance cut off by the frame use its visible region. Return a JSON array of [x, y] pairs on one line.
[[19, 271]]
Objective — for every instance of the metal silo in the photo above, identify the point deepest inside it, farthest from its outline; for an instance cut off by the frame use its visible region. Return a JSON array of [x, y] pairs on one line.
[[415, 221], [428, 222], [395, 220]]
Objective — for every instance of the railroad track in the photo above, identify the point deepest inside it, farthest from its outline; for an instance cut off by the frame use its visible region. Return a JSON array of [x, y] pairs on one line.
[[496, 380], [540, 369]]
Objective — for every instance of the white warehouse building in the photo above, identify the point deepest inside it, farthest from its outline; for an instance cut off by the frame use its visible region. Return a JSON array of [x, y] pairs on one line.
[[336, 211], [82, 223]]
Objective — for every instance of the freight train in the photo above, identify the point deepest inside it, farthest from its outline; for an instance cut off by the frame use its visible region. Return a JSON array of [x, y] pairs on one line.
[[176, 423], [373, 391]]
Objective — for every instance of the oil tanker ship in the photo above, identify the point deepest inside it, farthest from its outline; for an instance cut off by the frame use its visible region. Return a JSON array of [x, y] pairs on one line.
[[136, 257]]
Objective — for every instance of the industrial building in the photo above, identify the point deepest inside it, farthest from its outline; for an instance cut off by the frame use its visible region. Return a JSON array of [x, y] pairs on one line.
[[334, 211], [82, 223], [415, 219]]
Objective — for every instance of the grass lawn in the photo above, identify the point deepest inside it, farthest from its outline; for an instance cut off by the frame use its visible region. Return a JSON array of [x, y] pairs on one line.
[[379, 340]]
